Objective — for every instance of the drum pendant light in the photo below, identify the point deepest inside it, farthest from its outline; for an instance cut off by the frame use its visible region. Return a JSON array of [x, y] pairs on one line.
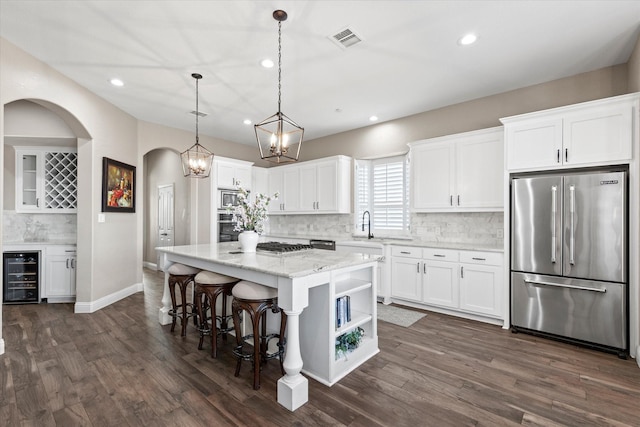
[[196, 161], [279, 138]]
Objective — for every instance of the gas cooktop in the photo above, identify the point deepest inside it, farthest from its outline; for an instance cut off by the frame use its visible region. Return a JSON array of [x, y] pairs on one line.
[[280, 247]]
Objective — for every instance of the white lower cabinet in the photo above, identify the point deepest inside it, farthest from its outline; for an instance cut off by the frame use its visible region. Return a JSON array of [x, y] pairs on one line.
[[481, 283], [460, 281], [60, 271]]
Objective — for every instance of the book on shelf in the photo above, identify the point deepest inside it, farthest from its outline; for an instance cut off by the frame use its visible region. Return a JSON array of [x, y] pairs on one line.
[[343, 310]]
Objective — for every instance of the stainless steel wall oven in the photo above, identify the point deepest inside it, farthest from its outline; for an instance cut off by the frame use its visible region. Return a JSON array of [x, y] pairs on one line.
[[226, 232]]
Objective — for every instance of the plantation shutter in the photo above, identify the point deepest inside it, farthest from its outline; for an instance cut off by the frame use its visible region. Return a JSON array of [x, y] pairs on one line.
[[382, 189]]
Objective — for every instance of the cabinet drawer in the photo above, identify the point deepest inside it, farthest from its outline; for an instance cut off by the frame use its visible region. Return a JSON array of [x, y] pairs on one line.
[[440, 254], [487, 258], [406, 251], [61, 250]]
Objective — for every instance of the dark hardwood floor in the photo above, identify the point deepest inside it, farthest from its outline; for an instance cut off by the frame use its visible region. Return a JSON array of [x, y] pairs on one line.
[[120, 367]]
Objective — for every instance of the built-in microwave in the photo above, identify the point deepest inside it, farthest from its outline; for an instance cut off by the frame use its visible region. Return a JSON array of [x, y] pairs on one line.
[[226, 198]]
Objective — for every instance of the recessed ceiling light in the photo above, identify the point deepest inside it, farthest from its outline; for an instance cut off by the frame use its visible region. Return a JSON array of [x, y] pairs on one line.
[[247, 122], [267, 63], [467, 39], [116, 82], [373, 118]]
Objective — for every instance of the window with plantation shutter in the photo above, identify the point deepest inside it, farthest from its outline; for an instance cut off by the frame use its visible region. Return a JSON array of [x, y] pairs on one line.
[[382, 189]]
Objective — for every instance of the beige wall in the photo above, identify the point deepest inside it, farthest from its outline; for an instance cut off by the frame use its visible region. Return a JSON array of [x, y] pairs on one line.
[[634, 68], [110, 253], [391, 137]]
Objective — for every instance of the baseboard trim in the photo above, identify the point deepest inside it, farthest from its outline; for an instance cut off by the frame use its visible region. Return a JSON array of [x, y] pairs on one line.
[[150, 265], [90, 307], [1, 346]]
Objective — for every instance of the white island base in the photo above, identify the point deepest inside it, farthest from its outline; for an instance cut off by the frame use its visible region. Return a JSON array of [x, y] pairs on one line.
[[308, 283]]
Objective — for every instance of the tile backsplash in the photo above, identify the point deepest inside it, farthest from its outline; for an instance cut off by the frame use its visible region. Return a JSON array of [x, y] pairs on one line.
[[483, 228], [23, 227]]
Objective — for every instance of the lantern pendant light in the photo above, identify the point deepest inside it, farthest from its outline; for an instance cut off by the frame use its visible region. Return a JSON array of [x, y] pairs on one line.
[[196, 161], [279, 138]]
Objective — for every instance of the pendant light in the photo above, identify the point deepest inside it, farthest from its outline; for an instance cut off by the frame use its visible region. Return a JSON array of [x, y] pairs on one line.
[[279, 137], [196, 161]]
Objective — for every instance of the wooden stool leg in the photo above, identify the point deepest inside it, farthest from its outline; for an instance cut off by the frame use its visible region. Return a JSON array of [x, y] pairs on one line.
[[257, 346], [223, 319], [236, 311], [202, 311], [183, 317], [282, 339], [214, 327], [172, 292]]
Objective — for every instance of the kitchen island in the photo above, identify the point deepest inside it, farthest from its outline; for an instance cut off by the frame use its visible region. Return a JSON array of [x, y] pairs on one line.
[[311, 280]]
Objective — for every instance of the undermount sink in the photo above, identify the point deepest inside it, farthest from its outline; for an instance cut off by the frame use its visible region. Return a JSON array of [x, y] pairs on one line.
[[363, 246]]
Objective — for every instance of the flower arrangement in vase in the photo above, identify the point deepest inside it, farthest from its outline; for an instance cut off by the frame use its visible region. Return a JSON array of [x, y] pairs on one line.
[[249, 218]]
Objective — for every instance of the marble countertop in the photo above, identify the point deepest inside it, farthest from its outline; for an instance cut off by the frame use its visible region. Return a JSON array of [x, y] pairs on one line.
[[290, 264], [7, 246], [396, 242]]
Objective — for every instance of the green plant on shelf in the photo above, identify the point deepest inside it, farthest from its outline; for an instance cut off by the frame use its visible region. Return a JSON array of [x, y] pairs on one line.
[[348, 342]]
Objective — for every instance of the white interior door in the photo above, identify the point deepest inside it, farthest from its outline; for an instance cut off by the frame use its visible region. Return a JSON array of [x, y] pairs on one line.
[[165, 218]]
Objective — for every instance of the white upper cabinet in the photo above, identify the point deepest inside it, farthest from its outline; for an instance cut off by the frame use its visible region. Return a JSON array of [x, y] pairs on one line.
[[587, 134], [462, 172], [46, 179], [230, 173], [432, 169], [318, 186]]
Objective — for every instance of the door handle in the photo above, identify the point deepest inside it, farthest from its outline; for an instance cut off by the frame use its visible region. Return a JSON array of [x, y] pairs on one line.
[[558, 156], [479, 259], [461, 272], [163, 234], [566, 154], [418, 267], [451, 200], [458, 200], [554, 209], [560, 285], [67, 262], [572, 236], [424, 268], [439, 256], [73, 263]]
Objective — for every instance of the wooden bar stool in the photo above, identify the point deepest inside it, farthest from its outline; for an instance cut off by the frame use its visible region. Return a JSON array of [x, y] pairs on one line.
[[256, 299], [181, 275], [208, 287]]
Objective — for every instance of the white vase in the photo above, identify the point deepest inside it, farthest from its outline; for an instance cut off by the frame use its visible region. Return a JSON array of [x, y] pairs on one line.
[[248, 241]]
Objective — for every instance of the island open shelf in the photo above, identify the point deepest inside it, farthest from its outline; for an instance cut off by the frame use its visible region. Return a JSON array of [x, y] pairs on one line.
[[319, 334]]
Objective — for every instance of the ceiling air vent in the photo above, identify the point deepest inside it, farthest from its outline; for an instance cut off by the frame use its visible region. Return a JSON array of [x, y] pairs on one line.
[[199, 113], [346, 38]]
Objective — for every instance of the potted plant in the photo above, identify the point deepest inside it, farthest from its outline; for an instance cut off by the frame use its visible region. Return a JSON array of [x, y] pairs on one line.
[[348, 342]]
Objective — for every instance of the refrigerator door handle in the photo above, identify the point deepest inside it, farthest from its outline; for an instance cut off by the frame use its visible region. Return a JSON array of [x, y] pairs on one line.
[[559, 285], [554, 209], [572, 236]]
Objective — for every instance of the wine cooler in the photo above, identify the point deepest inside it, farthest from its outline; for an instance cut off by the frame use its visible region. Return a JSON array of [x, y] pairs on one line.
[[21, 277]]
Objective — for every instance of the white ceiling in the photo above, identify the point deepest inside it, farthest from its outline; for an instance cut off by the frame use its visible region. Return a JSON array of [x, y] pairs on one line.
[[409, 61]]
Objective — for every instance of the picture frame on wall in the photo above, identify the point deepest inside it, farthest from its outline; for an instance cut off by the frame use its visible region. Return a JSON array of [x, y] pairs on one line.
[[118, 186]]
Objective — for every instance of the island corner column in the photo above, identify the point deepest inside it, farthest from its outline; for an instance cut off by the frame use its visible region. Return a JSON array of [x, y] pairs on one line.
[[293, 387], [163, 312]]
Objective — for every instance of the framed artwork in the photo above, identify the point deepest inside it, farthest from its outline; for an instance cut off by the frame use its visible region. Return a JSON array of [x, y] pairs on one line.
[[118, 186]]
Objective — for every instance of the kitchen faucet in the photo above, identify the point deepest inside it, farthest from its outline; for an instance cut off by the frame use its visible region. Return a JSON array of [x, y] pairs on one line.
[[369, 235]]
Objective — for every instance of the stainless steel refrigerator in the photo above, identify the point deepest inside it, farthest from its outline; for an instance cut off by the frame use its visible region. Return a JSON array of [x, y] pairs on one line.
[[569, 257]]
